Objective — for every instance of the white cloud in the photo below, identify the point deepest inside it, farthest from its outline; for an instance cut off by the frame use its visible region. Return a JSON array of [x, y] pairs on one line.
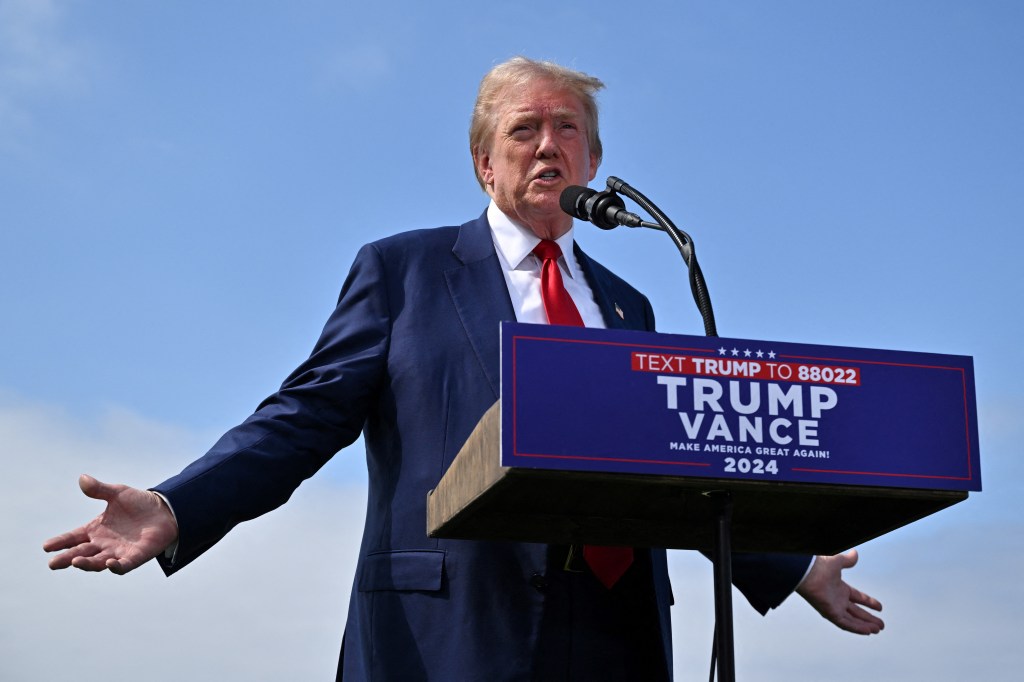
[[359, 66], [29, 37], [951, 605], [37, 59], [268, 603], [999, 419]]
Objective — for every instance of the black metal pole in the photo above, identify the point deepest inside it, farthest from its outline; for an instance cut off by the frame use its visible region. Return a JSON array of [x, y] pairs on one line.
[[721, 500], [722, 558]]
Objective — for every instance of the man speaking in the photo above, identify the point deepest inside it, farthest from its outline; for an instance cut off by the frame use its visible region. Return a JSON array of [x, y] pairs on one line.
[[410, 358]]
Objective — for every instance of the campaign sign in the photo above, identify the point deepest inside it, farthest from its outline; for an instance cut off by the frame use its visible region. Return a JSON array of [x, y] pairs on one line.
[[639, 402]]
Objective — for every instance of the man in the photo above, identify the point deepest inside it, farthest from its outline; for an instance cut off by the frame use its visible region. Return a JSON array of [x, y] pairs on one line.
[[410, 358]]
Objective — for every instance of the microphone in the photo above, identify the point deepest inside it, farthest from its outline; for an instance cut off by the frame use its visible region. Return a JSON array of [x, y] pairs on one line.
[[604, 209]]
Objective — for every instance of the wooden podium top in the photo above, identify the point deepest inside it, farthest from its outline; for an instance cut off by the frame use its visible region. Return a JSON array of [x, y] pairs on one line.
[[480, 499]]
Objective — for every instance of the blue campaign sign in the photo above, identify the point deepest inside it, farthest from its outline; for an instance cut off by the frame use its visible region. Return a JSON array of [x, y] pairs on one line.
[[639, 402]]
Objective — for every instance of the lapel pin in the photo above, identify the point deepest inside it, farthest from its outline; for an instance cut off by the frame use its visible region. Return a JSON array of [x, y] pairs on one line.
[[618, 310]]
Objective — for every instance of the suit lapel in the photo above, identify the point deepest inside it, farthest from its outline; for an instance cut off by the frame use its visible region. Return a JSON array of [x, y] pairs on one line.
[[480, 295], [610, 308]]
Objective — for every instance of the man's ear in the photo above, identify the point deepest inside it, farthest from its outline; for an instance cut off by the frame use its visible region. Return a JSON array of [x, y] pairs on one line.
[[482, 161], [594, 163]]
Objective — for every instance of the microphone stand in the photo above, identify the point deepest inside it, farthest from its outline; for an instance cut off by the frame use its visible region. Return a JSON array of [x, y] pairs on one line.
[[723, 651], [683, 242]]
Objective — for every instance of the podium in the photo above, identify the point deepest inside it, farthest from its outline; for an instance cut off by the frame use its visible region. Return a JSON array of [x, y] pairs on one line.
[[480, 499], [616, 437], [612, 437]]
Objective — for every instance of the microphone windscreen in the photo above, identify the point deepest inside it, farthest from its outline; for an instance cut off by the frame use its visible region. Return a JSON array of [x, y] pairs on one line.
[[573, 199]]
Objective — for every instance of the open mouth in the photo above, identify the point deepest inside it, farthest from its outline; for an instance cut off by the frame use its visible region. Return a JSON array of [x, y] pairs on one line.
[[549, 175]]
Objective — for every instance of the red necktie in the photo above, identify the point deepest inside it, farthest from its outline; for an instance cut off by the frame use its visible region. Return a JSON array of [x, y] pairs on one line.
[[607, 563]]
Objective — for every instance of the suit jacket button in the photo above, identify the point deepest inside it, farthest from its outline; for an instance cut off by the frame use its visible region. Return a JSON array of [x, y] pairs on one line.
[[539, 582]]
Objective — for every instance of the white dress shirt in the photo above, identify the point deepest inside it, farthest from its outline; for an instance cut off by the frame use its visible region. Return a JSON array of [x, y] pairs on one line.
[[521, 268]]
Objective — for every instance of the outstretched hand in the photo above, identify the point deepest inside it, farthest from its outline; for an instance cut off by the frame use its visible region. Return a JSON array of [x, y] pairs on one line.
[[824, 589], [135, 527]]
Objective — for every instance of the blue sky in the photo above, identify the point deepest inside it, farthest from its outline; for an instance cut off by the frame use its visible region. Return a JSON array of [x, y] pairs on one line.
[[183, 186]]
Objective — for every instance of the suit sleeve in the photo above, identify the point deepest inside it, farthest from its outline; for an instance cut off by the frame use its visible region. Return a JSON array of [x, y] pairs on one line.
[[767, 579], [320, 408]]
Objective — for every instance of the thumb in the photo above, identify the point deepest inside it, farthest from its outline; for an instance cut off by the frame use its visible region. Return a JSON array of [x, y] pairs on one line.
[[849, 559], [96, 489]]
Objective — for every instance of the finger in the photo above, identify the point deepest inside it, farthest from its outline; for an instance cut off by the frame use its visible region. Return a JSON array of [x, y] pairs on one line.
[[858, 597], [851, 623], [121, 566], [61, 561], [66, 540], [858, 627], [129, 561], [67, 558], [860, 622], [849, 559], [91, 563], [126, 558], [96, 489], [862, 616]]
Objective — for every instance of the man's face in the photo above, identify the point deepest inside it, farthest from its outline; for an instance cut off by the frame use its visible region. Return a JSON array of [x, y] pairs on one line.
[[539, 147]]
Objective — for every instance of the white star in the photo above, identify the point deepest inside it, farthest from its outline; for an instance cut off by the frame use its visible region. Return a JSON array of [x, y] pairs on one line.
[[771, 355], [746, 353], [721, 351], [760, 353], [735, 352]]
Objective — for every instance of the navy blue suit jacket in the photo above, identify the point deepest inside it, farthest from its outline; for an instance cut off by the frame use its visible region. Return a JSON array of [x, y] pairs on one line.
[[410, 357]]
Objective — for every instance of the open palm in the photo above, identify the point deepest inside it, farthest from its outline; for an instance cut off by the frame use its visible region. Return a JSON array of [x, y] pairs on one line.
[[135, 527]]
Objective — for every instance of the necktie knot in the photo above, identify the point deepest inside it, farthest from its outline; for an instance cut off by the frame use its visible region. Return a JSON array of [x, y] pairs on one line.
[[547, 250]]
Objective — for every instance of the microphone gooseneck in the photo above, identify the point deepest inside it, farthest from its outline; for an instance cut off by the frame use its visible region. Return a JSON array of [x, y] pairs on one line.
[[607, 210]]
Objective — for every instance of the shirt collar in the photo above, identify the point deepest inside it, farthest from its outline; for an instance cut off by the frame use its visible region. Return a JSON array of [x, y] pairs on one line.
[[517, 242]]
